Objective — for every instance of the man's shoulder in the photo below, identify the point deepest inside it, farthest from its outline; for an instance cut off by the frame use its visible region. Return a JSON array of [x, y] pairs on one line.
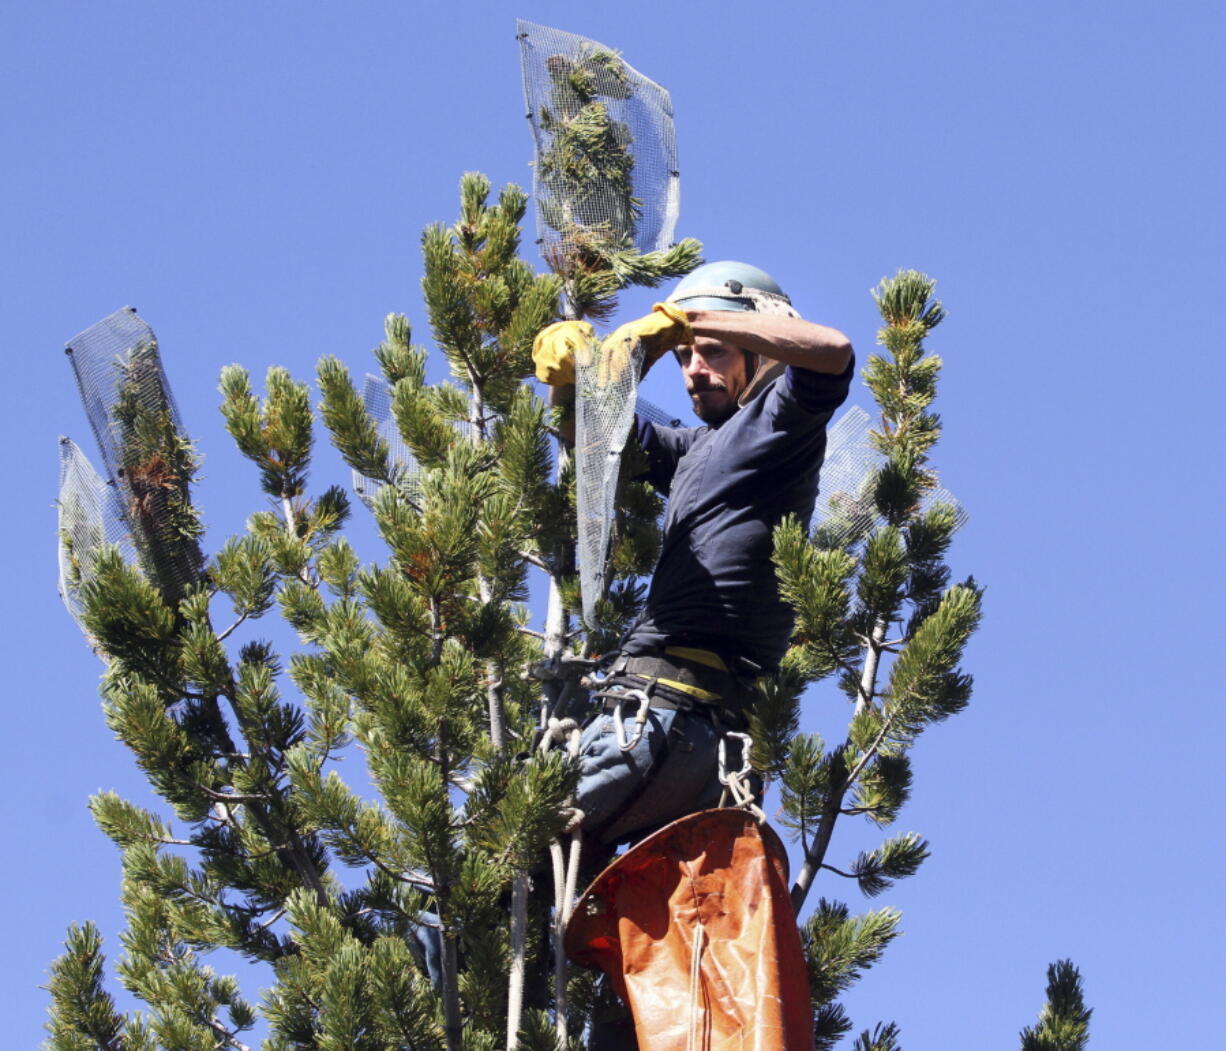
[[817, 393], [652, 431]]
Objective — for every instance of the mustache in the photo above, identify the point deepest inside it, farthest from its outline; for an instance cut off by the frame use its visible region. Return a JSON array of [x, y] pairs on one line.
[[705, 386]]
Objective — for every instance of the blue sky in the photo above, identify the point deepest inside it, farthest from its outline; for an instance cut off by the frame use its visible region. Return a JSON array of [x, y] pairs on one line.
[[255, 178]]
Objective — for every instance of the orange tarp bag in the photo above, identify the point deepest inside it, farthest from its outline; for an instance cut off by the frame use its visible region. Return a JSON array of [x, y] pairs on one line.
[[695, 929]]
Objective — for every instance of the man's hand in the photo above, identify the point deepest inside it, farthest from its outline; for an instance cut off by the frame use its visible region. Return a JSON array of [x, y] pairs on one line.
[[664, 328], [555, 348]]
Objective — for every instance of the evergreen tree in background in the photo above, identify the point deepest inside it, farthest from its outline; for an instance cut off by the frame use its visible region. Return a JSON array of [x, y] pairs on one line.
[[875, 610]]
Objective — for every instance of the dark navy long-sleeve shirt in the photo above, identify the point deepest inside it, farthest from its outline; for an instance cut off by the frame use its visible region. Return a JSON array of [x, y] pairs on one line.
[[728, 487]]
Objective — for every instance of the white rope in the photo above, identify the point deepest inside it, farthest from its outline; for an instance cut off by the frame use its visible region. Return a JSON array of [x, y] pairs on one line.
[[558, 730], [696, 947], [565, 882], [572, 875]]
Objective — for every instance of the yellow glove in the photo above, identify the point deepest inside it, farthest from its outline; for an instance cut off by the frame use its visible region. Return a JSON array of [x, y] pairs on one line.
[[554, 350], [661, 330]]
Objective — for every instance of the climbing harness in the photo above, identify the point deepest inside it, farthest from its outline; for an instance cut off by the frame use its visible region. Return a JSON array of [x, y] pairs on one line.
[[626, 689]]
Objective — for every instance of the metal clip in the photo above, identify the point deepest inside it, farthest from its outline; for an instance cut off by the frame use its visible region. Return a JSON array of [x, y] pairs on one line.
[[595, 679], [640, 719], [736, 781], [726, 778]]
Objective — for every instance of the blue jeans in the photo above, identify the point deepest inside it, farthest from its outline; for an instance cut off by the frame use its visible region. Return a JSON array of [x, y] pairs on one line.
[[672, 770]]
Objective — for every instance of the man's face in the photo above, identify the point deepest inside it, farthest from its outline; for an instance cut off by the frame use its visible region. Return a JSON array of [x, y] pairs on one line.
[[714, 377]]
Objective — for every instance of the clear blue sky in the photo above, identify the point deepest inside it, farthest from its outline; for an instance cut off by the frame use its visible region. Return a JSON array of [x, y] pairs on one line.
[[255, 177]]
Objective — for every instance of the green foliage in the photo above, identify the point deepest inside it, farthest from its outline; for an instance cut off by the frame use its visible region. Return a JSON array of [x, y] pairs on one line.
[[876, 611], [485, 305], [275, 434], [83, 1014], [839, 947], [877, 870], [156, 468], [774, 718], [587, 193], [805, 784], [883, 1037], [419, 665], [1064, 1022]]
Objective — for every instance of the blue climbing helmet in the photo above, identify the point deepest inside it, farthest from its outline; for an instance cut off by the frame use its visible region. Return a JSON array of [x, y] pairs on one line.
[[729, 285]]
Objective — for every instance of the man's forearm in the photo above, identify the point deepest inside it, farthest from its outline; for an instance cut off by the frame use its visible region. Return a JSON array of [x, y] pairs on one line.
[[794, 341]]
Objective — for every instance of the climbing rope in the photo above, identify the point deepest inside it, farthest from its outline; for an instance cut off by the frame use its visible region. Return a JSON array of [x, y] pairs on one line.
[[519, 939], [567, 733], [562, 733], [700, 938]]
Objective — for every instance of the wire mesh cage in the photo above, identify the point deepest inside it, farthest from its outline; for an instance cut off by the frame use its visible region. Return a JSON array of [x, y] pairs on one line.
[[845, 510], [145, 450], [405, 470], [89, 519], [651, 411], [606, 380], [605, 173], [377, 397]]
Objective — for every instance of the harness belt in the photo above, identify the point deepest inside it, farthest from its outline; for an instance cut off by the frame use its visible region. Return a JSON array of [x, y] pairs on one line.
[[686, 678], [683, 673]]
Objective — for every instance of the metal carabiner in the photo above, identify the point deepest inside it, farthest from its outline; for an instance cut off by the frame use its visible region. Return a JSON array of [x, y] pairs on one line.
[[640, 719], [746, 768], [736, 781]]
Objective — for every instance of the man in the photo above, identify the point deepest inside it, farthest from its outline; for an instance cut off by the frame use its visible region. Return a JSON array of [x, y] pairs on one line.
[[765, 383]]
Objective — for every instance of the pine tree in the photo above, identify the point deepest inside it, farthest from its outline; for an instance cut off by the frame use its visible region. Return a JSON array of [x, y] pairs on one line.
[[393, 921], [871, 596], [875, 610], [423, 663]]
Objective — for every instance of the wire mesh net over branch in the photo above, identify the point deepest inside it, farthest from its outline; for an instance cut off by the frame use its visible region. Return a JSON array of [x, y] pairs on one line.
[[846, 510], [606, 389], [606, 178], [89, 519], [147, 455], [403, 467], [377, 399]]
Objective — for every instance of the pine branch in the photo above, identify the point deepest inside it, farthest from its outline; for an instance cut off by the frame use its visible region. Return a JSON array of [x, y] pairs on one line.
[[81, 1009], [1064, 1022], [883, 1037]]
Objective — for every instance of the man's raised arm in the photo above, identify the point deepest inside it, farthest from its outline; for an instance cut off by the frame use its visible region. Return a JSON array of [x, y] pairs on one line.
[[793, 341]]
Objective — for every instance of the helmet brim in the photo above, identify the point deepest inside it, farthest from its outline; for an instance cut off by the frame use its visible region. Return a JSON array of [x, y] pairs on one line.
[[715, 303]]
